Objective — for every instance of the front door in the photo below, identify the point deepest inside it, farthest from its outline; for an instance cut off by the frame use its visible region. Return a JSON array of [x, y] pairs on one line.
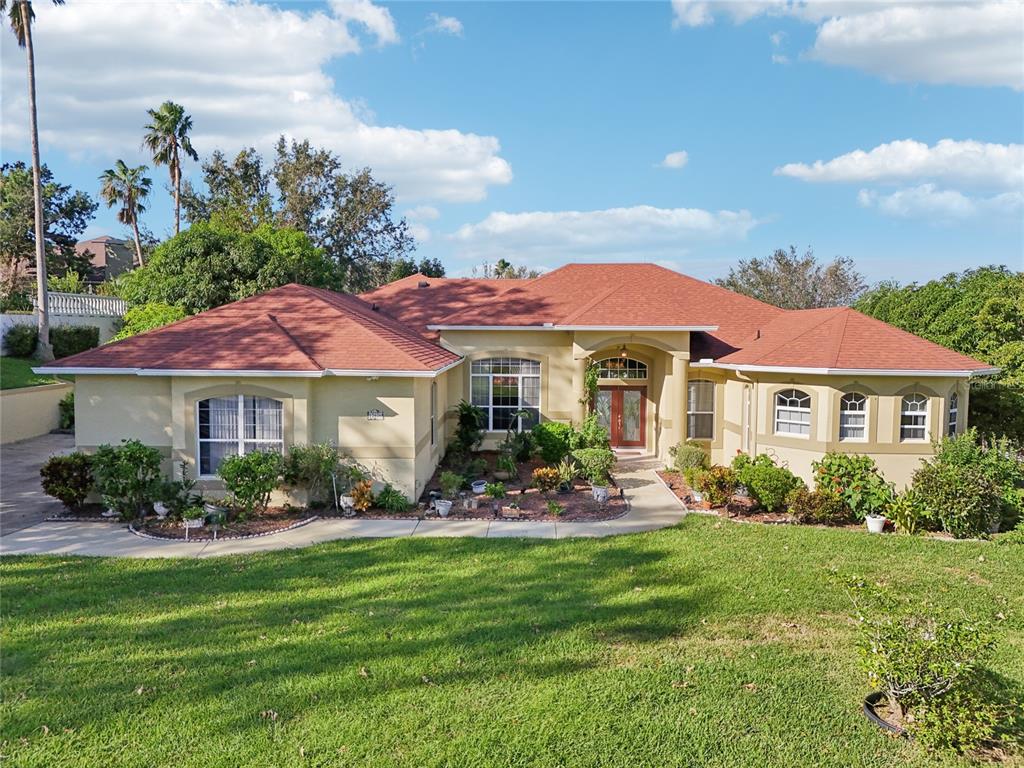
[[622, 411]]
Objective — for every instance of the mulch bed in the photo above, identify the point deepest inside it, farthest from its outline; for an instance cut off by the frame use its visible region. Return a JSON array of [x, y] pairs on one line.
[[87, 513], [522, 480], [274, 520]]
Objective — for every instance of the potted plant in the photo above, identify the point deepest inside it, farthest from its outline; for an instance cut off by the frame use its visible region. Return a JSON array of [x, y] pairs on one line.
[[506, 468], [496, 491], [450, 484], [566, 474], [875, 523], [193, 518], [479, 487]]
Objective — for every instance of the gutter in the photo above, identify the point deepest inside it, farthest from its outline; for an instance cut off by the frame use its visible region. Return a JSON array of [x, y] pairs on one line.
[[553, 327], [957, 373]]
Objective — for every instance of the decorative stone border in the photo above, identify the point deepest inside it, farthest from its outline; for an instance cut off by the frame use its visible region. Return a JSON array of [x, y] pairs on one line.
[[80, 519], [297, 524]]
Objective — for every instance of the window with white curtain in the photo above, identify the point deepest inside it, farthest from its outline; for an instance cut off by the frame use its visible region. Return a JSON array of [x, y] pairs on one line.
[[236, 425], [914, 417], [793, 413], [508, 391], [853, 416], [700, 409], [954, 413]]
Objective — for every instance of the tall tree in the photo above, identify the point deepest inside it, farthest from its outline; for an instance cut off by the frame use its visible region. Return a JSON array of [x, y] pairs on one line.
[[127, 187], [66, 214], [21, 17], [797, 282], [167, 138], [238, 192], [406, 267]]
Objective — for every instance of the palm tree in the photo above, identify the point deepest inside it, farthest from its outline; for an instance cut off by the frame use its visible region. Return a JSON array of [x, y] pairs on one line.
[[167, 137], [21, 16], [127, 187]]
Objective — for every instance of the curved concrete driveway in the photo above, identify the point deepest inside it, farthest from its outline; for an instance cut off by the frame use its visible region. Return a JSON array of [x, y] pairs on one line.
[[652, 506]]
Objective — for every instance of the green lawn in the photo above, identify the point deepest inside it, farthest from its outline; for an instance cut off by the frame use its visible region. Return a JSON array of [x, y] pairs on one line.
[[704, 645], [16, 372]]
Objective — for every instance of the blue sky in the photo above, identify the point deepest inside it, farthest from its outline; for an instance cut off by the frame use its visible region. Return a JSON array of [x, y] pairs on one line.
[[538, 131]]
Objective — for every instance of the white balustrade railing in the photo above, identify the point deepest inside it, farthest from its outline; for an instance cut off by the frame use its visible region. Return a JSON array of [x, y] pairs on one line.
[[85, 304]]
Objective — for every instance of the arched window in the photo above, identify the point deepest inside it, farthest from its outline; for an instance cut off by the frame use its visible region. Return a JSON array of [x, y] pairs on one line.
[[508, 390], [700, 409], [621, 368], [853, 417], [914, 417], [793, 412], [236, 425], [954, 413]]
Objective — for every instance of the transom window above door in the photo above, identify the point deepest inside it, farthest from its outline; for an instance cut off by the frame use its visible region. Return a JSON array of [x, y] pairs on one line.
[[507, 389], [621, 368], [236, 425]]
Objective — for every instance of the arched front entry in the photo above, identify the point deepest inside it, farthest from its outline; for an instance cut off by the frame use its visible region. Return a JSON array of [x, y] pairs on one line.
[[621, 404]]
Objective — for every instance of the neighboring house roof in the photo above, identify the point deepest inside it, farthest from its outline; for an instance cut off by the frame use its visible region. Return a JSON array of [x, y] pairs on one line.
[[418, 301], [293, 329], [843, 339]]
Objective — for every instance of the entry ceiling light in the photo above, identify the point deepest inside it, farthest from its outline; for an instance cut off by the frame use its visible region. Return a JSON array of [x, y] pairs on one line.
[[622, 351]]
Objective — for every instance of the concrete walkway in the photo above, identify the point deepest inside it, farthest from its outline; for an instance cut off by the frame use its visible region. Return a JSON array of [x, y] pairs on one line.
[[652, 506], [22, 501]]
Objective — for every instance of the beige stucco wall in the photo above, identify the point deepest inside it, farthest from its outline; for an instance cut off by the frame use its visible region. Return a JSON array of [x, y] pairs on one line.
[[30, 411]]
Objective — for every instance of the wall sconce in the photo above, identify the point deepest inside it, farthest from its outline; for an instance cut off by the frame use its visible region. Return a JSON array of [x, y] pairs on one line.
[[622, 351]]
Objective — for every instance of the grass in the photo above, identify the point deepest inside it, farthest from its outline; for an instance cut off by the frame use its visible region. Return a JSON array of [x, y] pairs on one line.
[[702, 645], [16, 372]]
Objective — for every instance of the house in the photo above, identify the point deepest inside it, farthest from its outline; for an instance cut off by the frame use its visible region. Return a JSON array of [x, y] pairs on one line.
[[109, 257], [380, 374]]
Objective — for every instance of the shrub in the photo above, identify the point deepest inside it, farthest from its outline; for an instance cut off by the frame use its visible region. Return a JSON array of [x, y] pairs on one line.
[[818, 507], [716, 483], [68, 478], [16, 301], [495, 490], [127, 476], [72, 339], [688, 454], [69, 282], [556, 509], [250, 479], [595, 463], [362, 495], [545, 479], [450, 484], [470, 430], [146, 317], [518, 445], [768, 484], [856, 480], [929, 667], [66, 407], [963, 499], [20, 340], [312, 467], [908, 512], [178, 495], [554, 439], [590, 435], [391, 500], [567, 471]]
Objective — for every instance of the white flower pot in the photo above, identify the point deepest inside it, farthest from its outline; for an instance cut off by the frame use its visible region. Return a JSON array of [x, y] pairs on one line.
[[876, 523], [110, 513], [479, 486], [347, 502], [600, 493], [443, 507], [161, 509]]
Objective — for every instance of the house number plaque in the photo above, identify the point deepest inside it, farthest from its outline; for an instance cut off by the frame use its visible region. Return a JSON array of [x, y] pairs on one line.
[[375, 415]]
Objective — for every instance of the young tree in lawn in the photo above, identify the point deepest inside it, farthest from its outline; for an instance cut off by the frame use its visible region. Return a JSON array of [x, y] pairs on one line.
[[167, 138], [127, 187], [21, 17], [796, 282]]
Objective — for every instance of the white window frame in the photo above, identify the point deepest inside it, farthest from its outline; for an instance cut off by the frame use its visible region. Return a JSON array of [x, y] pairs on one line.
[[845, 411], [489, 408], [914, 397], [240, 440], [799, 395], [953, 414], [632, 365], [691, 412]]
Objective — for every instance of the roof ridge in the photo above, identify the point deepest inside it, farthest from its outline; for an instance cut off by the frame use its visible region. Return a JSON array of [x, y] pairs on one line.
[[592, 303], [838, 345], [295, 342]]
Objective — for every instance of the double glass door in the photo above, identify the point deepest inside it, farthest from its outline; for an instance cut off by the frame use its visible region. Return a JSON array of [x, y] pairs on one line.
[[622, 411]]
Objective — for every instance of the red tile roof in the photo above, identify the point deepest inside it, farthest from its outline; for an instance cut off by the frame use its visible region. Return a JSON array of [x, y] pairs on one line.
[[292, 328], [843, 338]]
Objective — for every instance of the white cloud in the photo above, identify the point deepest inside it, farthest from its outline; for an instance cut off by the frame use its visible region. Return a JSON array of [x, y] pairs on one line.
[[640, 232], [675, 159], [448, 25], [423, 213], [952, 162], [247, 72], [780, 58], [962, 43], [928, 201]]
